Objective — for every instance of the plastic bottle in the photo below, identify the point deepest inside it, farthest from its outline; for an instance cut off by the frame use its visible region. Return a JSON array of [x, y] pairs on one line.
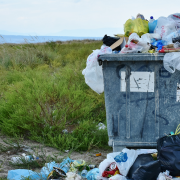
[[19, 160], [152, 24]]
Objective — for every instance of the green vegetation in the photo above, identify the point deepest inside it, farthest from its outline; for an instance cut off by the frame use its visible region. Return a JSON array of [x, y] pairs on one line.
[[43, 92]]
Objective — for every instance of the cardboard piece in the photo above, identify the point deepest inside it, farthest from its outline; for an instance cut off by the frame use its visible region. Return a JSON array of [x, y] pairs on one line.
[[119, 42]]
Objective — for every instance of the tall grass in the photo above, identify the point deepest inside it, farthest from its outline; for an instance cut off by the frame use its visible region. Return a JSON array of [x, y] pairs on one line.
[[43, 92]]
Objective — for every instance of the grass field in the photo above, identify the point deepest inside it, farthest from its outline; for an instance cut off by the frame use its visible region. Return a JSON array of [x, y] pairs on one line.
[[43, 92]]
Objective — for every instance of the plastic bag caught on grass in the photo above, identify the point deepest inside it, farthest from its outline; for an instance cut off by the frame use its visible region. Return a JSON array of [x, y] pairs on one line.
[[93, 72]]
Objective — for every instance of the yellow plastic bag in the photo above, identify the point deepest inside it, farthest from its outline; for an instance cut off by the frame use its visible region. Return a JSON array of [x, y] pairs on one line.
[[138, 26]]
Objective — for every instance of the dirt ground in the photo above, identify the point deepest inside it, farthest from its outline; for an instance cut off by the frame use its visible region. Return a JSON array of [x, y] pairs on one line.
[[30, 147]]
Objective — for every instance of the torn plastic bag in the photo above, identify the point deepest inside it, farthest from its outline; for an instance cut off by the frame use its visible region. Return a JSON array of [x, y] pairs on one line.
[[165, 26], [171, 61], [169, 154], [93, 72], [108, 41], [141, 160], [148, 171], [176, 18]]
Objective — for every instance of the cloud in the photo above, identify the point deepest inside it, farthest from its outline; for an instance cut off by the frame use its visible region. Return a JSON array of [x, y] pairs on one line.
[[52, 16]]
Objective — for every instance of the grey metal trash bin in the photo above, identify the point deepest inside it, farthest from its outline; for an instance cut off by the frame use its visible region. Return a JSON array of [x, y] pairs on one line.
[[142, 99]]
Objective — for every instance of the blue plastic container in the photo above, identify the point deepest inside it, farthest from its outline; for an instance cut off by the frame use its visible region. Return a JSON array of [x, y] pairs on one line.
[[152, 24], [142, 99]]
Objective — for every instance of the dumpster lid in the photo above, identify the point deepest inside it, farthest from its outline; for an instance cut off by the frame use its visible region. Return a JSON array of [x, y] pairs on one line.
[[131, 57]]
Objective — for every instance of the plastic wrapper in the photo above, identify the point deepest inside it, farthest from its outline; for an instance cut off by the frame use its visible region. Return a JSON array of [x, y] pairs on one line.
[[138, 26], [171, 62]]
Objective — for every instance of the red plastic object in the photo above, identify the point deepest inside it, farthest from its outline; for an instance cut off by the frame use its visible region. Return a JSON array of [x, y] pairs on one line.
[[161, 51], [126, 46]]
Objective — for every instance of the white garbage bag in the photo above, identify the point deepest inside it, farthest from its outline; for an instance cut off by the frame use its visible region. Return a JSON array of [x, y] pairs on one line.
[[93, 72], [171, 61], [165, 26], [117, 177], [124, 160]]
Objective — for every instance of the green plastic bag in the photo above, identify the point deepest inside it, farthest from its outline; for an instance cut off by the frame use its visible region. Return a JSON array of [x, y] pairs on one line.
[[138, 26]]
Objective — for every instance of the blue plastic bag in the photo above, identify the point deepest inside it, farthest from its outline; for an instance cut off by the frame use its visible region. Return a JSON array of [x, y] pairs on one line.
[[92, 175], [24, 173]]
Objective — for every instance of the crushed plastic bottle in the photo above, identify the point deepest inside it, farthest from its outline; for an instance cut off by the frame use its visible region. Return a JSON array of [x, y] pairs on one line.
[[20, 160], [152, 24]]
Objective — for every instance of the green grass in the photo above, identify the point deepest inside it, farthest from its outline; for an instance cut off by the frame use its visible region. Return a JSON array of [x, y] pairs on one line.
[[43, 92]]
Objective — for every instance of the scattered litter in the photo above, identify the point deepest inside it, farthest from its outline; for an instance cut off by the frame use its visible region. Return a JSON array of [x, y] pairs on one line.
[[23, 158], [65, 131], [56, 173], [164, 176], [73, 176], [66, 151], [101, 126], [84, 173], [77, 165]]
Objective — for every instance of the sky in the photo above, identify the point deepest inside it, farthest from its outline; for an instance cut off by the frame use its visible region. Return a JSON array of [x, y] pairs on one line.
[[85, 18]]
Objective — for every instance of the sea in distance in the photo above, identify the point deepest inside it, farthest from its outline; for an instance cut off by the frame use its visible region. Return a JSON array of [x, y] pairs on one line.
[[39, 39]]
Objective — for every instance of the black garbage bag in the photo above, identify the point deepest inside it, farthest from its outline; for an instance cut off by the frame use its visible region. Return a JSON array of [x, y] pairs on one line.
[[140, 160], [169, 154], [108, 41], [149, 171]]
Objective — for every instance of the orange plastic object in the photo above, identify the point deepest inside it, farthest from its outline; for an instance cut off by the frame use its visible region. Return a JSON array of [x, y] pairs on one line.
[[99, 154]]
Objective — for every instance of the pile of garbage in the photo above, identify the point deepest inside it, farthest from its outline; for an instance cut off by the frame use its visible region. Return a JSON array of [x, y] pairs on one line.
[[140, 36], [129, 164]]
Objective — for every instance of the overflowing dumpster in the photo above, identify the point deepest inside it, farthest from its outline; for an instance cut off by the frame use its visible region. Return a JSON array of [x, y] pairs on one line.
[[142, 99]]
